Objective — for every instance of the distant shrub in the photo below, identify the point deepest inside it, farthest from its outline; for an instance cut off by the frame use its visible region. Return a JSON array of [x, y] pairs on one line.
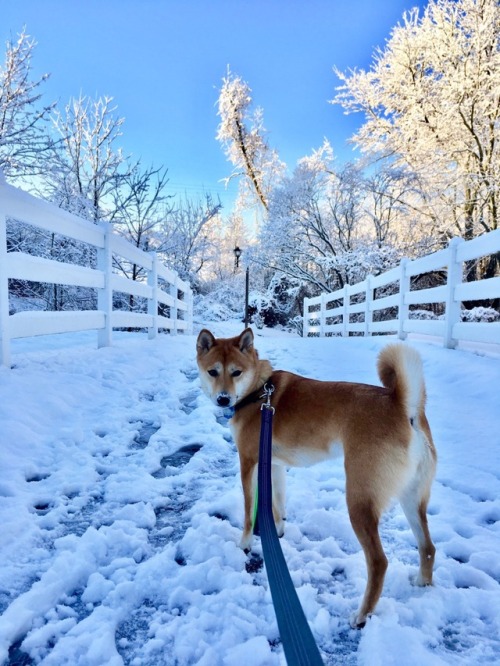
[[422, 314], [480, 314]]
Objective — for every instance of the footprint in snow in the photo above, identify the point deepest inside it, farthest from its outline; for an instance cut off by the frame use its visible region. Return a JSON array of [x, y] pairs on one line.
[[146, 431], [177, 459]]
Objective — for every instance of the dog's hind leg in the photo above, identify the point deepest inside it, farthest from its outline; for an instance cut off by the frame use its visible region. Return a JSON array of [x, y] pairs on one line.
[[414, 505], [279, 494], [365, 519]]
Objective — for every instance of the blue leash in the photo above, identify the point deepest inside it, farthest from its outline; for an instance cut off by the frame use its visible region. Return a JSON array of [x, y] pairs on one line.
[[298, 642]]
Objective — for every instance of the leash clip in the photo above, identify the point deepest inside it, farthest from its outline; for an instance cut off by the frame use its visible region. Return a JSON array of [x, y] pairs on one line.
[[268, 391]]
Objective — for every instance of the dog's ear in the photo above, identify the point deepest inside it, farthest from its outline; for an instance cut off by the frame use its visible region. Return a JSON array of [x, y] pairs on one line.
[[245, 341], [205, 342]]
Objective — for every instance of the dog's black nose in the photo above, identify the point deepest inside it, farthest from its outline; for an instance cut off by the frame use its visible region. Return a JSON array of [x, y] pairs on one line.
[[223, 400]]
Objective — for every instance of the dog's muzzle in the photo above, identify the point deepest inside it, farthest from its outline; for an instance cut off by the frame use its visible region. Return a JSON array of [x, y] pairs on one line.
[[223, 400]]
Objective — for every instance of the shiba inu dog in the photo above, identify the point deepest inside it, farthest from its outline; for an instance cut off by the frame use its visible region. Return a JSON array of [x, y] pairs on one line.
[[383, 431]]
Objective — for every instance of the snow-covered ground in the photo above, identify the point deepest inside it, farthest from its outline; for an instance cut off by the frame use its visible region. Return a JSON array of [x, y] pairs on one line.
[[120, 510]]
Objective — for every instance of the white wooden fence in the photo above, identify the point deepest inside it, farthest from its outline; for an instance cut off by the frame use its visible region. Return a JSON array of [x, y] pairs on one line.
[[450, 328], [163, 286]]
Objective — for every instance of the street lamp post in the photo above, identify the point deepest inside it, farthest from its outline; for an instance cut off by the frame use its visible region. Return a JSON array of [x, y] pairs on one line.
[[247, 280], [237, 254]]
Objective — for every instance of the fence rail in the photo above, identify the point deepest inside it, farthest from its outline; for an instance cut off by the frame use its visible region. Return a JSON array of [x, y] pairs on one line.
[[162, 289], [319, 312]]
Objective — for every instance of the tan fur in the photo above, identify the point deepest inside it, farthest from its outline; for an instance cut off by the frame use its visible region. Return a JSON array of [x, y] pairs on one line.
[[383, 431]]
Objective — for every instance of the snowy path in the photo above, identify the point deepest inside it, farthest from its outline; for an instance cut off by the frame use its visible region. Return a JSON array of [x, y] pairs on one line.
[[120, 507]]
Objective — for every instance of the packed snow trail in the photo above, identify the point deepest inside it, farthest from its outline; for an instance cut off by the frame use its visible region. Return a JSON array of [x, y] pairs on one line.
[[121, 511]]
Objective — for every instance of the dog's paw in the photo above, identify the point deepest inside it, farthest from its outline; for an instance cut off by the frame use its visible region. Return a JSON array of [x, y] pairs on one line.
[[419, 581], [357, 621]]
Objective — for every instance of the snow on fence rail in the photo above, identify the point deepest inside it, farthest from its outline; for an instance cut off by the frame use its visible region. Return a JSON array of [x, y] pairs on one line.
[[337, 305], [163, 287]]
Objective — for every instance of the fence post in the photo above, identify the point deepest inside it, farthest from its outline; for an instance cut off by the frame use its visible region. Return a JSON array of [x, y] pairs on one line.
[[173, 308], [345, 312], [368, 302], [153, 301], [105, 295], [189, 296], [322, 315], [453, 307], [4, 284], [403, 308], [305, 319]]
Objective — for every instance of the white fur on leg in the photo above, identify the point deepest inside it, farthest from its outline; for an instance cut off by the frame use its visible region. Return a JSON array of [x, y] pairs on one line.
[[357, 621], [246, 542], [279, 492]]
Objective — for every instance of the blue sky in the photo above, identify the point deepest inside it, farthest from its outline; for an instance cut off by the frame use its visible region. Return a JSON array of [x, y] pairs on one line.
[[163, 62]]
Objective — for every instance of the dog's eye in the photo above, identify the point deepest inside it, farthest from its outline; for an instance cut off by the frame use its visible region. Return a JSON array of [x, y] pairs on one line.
[[236, 373], [213, 373]]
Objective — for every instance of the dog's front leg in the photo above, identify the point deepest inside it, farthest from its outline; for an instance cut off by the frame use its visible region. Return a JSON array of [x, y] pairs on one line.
[[249, 482], [279, 492]]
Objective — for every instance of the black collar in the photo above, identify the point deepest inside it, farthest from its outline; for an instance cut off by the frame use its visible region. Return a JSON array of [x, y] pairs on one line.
[[252, 397]]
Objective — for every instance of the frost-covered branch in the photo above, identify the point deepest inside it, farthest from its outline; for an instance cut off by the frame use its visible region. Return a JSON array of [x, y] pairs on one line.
[[241, 133], [24, 135]]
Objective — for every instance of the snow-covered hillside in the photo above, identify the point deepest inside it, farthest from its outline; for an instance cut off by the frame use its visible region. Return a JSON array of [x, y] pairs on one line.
[[120, 507]]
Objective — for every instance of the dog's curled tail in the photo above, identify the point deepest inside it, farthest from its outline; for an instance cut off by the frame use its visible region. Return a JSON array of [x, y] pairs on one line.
[[400, 370]]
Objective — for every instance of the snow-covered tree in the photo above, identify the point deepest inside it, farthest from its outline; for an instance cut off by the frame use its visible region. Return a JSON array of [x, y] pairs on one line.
[[140, 203], [89, 166], [24, 135], [84, 169], [243, 136], [393, 211], [188, 243], [315, 217], [232, 233], [432, 104]]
